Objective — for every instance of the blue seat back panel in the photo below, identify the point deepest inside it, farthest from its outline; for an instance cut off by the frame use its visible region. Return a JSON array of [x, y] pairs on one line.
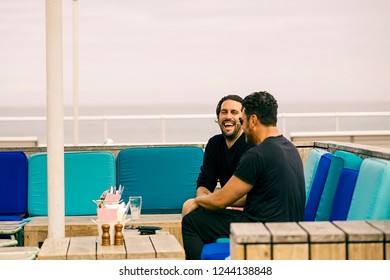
[[86, 175], [344, 193], [311, 167], [13, 184], [165, 177], [328, 193], [317, 187], [340, 160]]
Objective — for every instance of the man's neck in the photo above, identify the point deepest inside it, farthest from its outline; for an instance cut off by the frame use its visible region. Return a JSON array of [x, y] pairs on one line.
[[271, 131], [230, 142]]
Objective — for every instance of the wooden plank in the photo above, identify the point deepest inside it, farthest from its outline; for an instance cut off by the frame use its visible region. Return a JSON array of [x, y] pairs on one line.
[[18, 256], [254, 233], [255, 241], [168, 222], [326, 241], [383, 226], [139, 247], [82, 248], [18, 253], [289, 241], [237, 251], [111, 252], [54, 249], [36, 231], [364, 242], [328, 251], [258, 252], [167, 247], [293, 251]]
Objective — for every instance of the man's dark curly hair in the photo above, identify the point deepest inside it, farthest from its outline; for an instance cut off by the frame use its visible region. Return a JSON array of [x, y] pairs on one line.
[[263, 105], [228, 97]]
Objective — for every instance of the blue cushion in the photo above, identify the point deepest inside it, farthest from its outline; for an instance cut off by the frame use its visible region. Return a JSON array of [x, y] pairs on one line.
[[311, 167], [343, 196], [216, 251], [13, 185], [340, 160], [86, 175], [165, 177], [327, 195], [371, 198], [317, 187]]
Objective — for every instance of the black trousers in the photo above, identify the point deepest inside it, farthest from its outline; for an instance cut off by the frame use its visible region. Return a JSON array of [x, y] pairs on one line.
[[206, 226]]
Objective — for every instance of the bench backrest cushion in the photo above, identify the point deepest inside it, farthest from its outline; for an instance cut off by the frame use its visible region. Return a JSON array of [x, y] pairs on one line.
[[86, 175], [13, 185], [310, 167], [371, 198], [317, 187], [165, 177], [340, 160]]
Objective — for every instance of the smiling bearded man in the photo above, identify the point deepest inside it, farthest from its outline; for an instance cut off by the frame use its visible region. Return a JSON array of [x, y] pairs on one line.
[[223, 151]]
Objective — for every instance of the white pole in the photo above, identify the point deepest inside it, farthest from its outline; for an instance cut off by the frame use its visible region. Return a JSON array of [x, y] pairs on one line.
[[55, 119], [75, 75]]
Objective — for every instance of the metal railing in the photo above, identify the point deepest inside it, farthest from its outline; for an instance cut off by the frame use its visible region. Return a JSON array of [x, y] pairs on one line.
[[283, 119]]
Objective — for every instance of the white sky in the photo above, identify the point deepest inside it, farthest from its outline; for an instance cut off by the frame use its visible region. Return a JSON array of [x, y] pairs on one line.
[[196, 51]]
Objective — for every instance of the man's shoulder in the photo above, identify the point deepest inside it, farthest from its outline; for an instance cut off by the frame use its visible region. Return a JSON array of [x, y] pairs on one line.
[[216, 139]]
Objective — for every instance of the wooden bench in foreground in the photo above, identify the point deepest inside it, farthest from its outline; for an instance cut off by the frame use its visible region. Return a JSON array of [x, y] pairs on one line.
[[158, 246], [341, 240]]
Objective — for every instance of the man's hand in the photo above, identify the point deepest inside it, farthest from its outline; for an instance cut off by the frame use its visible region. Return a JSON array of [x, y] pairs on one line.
[[189, 206]]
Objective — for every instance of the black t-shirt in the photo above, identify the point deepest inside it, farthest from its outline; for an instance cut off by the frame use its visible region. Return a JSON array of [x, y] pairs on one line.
[[219, 162], [275, 170]]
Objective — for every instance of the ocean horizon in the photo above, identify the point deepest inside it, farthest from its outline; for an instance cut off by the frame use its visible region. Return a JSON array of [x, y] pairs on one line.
[[178, 131]]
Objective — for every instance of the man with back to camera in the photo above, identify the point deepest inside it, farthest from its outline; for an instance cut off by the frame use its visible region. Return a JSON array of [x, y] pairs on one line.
[[269, 174], [223, 151]]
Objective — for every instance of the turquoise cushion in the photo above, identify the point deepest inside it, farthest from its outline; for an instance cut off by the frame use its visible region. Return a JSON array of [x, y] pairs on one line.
[[311, 167], [327, 195], [317, 187], [340, 160], [86, 175], [165, 177], [371, 199]]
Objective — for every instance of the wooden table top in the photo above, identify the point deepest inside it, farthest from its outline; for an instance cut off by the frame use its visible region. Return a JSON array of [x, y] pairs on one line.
[[160, 246]]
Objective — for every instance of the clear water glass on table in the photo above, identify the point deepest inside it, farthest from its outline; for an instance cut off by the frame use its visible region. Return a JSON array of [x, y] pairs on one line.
[[135, 207]]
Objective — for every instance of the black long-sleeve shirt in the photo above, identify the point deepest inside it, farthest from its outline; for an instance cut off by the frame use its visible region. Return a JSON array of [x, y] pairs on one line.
[[219, 162]]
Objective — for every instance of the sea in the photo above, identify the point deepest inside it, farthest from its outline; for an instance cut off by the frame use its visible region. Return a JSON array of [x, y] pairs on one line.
[[195, 130]]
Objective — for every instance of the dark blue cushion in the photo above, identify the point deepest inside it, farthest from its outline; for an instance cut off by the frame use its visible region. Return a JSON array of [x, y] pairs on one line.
[[216, 251], [13, 184], [317, 187], [343, 196]]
